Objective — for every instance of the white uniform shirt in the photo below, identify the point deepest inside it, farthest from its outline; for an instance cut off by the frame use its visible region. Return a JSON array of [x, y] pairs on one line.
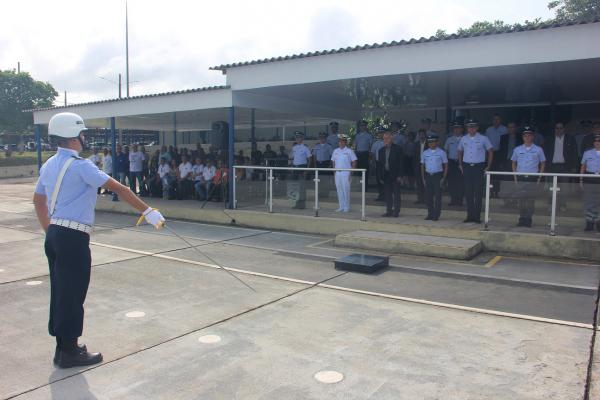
[[208, 173], [135, 161], [163, 170], [300, 154], [107, 164], [197, 171], [95, 159], [184, 169], [343, 157]]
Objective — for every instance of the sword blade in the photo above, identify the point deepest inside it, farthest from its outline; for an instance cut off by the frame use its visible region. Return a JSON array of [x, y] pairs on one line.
[[207, 256]]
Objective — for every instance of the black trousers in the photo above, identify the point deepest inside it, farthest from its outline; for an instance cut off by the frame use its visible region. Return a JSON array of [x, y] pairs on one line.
[[456, 183], [496, 179], [379, 180], [433, 194], [526, 193], [70, 262], [391, 189], [362, 161], [474, 183]]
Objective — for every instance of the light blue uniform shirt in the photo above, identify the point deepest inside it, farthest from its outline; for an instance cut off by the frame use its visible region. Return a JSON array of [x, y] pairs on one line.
[[375, 148], [434, 160], [474, 148], [333, 140], [78, 193], [451, 146], [323, 152], [398, 139], [528, 158], [495, 134], [591, 159], [300, 154], [363, 142]]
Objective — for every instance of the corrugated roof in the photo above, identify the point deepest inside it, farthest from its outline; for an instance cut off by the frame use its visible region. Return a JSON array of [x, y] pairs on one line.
[[204, 89], [454, 36]]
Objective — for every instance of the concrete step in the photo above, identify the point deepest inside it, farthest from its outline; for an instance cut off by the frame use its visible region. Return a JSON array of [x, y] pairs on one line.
[[421, 245]]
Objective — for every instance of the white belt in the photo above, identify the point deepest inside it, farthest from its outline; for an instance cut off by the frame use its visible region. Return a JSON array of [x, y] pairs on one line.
[[72, 225]]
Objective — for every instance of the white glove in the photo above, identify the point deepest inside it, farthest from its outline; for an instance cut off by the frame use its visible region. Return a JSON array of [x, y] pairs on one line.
[[154, 217]]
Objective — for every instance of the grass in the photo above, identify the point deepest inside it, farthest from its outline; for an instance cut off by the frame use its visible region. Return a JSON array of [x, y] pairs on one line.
[[25, 158]]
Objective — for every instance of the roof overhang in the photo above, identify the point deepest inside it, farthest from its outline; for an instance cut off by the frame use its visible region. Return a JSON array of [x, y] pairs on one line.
[[563, 43], [144, 105]]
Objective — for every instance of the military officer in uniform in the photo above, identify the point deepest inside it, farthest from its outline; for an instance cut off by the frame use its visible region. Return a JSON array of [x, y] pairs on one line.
[[332, 138], [434, 169], [456, 184], [64, 200], [363, 142], [590, 164], [390, 170], [527, 157], [322, 159], [343, 157], [301, 156], [472, 151]]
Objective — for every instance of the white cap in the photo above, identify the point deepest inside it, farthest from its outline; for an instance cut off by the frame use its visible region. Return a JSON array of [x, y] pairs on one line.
[[66, 125]]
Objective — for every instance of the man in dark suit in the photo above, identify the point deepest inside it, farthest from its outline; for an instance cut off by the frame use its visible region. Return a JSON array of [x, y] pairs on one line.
[[561, 151], [508, 143], [390, 171]]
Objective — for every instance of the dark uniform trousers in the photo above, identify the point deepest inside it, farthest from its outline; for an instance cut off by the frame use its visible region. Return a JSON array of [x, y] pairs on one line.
[[70, 262], [561, 169], [362, 161], [474, 185], [297, 189], [456, 183], [392, 194], [325, 178], [380, 186], [433, 194], [526, 194]]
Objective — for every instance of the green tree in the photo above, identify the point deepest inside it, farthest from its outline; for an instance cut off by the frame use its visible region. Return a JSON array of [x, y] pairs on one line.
[[18, 92], [569, 10]]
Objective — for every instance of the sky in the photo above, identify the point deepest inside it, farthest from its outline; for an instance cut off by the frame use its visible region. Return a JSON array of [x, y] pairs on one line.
[[79, 46]]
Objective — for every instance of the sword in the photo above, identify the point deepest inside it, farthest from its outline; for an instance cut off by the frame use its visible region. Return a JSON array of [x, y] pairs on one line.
[[164, 225]]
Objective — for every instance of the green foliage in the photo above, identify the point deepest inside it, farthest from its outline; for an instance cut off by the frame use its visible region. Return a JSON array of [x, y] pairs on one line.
[[18, 92], [568, 10]]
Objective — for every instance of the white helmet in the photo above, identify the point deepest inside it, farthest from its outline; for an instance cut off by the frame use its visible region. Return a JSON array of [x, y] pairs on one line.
[[66, 125]]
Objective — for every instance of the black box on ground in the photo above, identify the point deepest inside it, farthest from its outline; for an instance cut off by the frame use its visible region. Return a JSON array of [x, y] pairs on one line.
[[361, 263]]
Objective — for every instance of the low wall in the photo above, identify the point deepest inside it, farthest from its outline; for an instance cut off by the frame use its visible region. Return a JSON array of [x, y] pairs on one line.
[[20, 171]]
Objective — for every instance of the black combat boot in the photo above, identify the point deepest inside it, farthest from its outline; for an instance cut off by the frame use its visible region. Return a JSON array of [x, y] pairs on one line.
[[589, 226], [71, 355]]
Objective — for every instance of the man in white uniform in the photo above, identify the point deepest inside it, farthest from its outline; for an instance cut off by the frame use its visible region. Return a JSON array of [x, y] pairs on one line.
[[343, 157]]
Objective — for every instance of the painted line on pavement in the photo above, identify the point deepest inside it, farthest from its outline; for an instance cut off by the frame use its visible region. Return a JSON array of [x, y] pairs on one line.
[[462, 308], [493, 262]]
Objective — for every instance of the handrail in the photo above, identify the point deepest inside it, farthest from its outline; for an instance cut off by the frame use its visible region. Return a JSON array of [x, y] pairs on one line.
[[543, 174], [298, 168]]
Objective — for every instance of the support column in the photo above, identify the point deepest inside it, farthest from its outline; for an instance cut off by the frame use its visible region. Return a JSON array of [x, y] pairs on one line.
[[230, 154], [448, 109], [174, 129], [113, 149], [38, 145], [252, 130]]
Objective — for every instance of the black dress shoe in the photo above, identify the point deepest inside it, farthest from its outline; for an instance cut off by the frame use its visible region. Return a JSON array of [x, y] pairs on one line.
[[467, 220], [477, 221], [77, 358], [589, 226], [428, 218], [434, 218]]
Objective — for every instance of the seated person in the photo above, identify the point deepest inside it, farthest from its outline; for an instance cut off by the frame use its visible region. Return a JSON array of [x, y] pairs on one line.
[[184, 178], [197, 170], [207, 179], [219, 181], [170, 181]]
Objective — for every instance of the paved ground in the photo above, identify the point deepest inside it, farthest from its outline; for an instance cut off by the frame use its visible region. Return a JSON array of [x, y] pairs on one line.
[[492, 328]]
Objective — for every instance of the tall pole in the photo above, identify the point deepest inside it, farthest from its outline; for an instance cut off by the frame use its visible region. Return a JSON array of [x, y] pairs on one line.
[[126, 50], [119, 85], [18, 67], [65, 98], [230, 151], [113, 149]]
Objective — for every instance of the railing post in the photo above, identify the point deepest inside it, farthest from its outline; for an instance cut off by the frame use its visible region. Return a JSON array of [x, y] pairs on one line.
[[363, 183], [271, 190], [234, 198], [555, 189], [486, 218], [316, 192]]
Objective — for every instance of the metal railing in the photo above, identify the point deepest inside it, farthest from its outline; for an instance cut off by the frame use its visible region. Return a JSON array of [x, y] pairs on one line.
[[269, 183], [554, 188]]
